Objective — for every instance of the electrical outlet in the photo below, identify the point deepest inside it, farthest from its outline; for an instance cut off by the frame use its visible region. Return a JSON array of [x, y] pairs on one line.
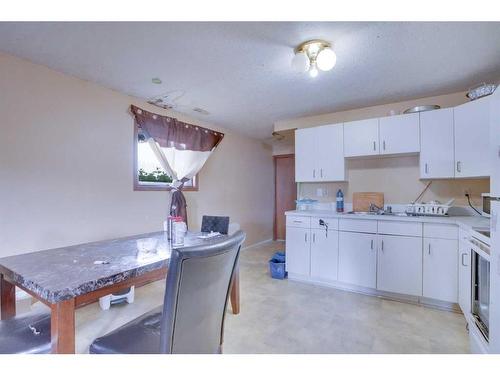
[[467, 192]]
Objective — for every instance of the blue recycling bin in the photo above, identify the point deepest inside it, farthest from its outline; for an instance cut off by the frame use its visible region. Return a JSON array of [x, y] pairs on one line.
[[277, 266]]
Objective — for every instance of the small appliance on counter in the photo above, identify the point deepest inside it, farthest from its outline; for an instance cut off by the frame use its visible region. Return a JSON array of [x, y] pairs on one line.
[[305, 204], [433, 208]]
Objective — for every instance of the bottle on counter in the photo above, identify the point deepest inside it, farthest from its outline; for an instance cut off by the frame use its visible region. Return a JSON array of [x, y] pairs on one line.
[[340, 201]]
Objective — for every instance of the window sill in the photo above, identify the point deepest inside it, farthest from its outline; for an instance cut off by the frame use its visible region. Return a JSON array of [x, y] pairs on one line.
[[158, 187]]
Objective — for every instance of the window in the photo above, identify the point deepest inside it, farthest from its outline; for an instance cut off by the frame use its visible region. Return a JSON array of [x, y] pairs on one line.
[[148, 172]]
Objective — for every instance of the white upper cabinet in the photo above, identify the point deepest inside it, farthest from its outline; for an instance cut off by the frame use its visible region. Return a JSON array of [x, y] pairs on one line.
[[437, 154], [472, 137], [319, 154], [361, 138], [330, 160], [399, 134], [305, 146]]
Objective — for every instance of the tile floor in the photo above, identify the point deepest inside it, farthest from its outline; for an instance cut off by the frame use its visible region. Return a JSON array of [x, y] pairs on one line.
[[283, 316]]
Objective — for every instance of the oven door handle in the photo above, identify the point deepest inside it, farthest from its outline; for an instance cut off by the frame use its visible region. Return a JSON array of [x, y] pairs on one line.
[[463, 263]]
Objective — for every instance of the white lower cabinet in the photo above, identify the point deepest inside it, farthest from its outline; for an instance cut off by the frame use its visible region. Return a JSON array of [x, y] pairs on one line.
[[358, 259], [298, 251], [402, 257], [399, 267], [441, 269], [464, 278], [324, 254]]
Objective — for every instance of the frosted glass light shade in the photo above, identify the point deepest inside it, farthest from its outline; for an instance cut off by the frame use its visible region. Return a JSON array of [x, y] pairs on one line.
[[326, 59], [300, 62]]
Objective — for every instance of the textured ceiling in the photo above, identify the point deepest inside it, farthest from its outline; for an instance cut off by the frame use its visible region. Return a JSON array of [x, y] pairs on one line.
[[240, 72]]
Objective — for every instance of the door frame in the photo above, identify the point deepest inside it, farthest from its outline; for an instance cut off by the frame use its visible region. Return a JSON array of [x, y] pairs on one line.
[[275, 158]]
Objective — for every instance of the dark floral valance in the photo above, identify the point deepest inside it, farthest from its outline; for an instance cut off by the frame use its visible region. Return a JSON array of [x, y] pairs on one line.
[[170, 132]]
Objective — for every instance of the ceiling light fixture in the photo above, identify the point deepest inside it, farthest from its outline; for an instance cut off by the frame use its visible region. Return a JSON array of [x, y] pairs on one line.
[[313, 55]]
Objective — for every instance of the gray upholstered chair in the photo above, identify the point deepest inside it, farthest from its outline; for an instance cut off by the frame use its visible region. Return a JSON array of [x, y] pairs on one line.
[[191, 319], [215, 224], [25, 334]]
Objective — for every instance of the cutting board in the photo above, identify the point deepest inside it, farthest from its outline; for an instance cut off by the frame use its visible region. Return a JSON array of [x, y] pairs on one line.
[[361, 201]]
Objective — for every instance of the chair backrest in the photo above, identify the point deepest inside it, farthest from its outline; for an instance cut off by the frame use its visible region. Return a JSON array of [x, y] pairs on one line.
[[196, 295], [215, 224]]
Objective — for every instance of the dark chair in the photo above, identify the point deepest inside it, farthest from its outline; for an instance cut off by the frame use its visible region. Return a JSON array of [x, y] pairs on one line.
[[26, 334], [215, 224], [191, 319]]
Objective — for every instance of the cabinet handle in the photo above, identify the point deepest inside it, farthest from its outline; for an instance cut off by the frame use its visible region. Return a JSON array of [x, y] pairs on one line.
[[426, 168], [383, 145], [297, 221], [429, 251], [371, 246], [321, 172], [382, 245], [459, 166], [374, 146], [463, 263], [305, 237], [314, 237], [314, 173]]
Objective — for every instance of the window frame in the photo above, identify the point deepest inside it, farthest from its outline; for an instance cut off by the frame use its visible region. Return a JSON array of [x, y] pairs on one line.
[[153, 186]]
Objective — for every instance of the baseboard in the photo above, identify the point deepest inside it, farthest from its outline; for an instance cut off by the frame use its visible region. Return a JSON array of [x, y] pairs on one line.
[[257, 244]]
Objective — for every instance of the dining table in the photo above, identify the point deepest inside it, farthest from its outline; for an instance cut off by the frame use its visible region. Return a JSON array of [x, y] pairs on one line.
[[70, 277]]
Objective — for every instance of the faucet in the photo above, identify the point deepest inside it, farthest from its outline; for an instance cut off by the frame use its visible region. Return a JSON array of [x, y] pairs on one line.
[[376, 209]]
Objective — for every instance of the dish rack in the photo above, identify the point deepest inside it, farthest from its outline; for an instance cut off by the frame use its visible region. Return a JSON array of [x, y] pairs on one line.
[[427, 209]]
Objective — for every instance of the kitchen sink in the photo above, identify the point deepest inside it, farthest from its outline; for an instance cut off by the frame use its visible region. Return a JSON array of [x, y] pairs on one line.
[[377, 213]]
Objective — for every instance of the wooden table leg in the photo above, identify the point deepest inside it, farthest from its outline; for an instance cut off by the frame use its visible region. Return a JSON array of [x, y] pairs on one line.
[[235, 291], [62, 327], [7, 299]]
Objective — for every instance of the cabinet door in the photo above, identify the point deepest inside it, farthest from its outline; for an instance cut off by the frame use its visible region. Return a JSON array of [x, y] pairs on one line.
[[437, 155], [399, 268], [361, 138], [305, 155], [358, 259], [464, 278], [330, 150], [495, 143], [298, 252], [441, 269], [399, 134], [472, 139], [324, 254]]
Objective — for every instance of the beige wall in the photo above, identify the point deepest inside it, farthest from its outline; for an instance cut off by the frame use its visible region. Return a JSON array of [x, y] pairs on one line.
[[397, 177], [66, 167]]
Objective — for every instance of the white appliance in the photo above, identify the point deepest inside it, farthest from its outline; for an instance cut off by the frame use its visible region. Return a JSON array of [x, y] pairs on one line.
[[494, 344]]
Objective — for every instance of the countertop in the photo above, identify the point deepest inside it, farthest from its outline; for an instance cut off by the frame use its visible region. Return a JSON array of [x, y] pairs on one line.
[[59, 274], [466, 222]]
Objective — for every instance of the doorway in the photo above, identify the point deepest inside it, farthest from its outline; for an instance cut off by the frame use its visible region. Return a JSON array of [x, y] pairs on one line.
[[285, 192]]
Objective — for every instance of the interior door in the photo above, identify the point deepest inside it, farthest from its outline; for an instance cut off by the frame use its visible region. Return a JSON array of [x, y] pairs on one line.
[[399, 134], [399, 267], [285, 192], [437, 150]]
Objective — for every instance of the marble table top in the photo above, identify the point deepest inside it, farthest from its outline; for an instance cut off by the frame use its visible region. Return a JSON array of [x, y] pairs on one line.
[[63, 273]]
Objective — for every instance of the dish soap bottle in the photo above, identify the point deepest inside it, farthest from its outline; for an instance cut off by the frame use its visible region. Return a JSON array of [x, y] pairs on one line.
[[340, 201]]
